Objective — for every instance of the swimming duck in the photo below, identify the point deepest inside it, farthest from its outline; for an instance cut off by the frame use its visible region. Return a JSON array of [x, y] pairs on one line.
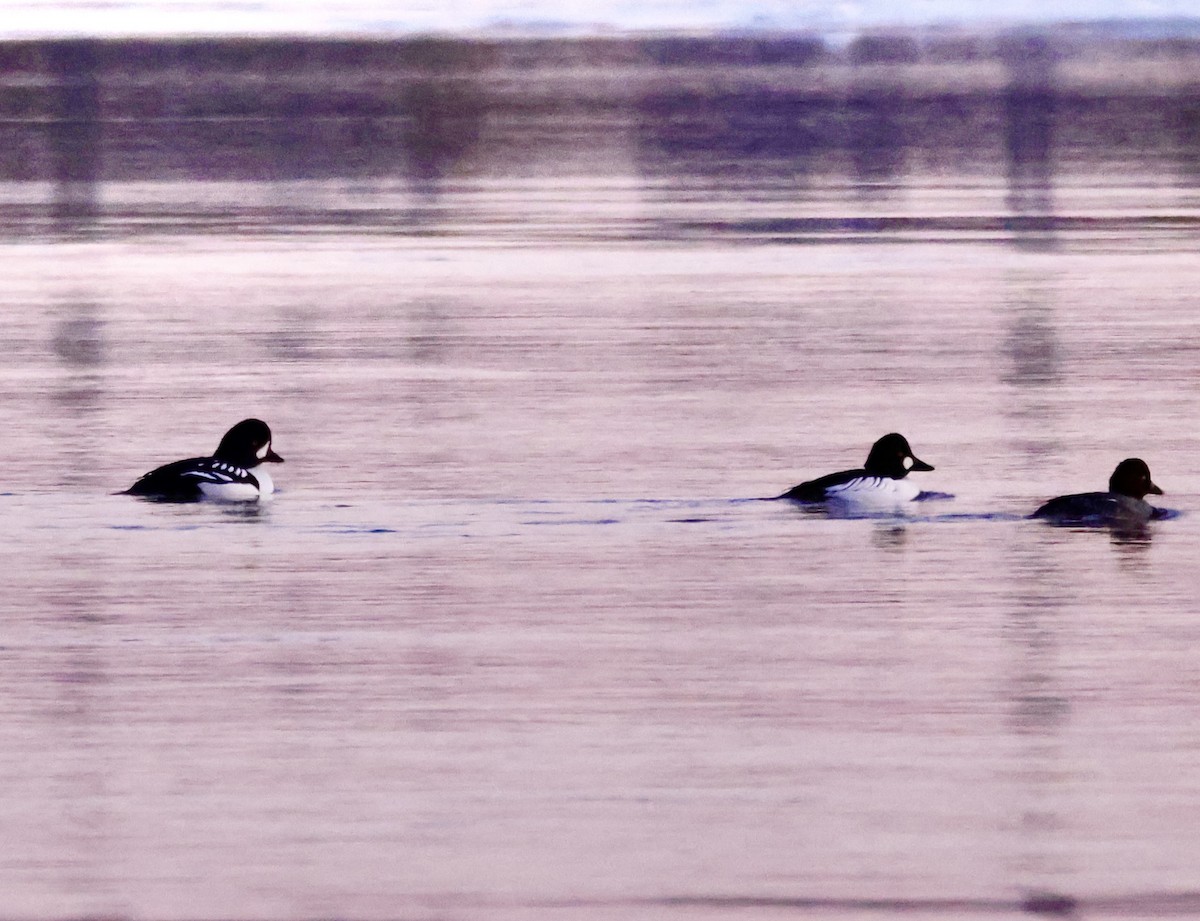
[[231, 474], [1123, 504], [880, 481]]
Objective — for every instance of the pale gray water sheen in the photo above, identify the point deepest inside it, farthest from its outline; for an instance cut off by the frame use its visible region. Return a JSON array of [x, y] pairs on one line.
[[512, 642]]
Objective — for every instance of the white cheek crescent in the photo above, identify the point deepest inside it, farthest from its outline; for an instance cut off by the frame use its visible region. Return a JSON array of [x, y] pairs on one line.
[[262, 452], [908, 463]]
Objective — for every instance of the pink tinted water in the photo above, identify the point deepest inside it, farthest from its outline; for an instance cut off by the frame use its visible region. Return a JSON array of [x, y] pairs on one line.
[[508, 644]]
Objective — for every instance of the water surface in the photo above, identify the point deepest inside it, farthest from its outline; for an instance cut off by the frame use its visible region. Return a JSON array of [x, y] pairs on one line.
[[514, 640]]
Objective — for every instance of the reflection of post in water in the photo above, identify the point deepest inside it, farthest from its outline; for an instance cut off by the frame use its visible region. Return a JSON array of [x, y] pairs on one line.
[[1032, 346], [80, 674], [1033, 358], [74, 132], [79, 340], [1029, 118], [1039, 712], [1039, 709], [876, 106], [444, 106], [79, 346]]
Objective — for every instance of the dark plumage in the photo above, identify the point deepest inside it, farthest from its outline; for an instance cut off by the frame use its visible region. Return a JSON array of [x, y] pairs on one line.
[[1123, 504], [891, 459], [225, 475]]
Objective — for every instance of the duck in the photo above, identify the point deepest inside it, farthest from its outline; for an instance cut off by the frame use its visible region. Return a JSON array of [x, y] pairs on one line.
[[882, 480], [232, 474], [1124, 504]]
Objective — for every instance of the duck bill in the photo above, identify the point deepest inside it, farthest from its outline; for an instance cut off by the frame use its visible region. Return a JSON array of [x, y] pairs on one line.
[[272, 457], [1154, 490], [918, 464]]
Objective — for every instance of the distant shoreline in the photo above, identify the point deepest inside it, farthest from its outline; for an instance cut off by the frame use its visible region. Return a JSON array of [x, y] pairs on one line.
[[919, 61], [274, 109]]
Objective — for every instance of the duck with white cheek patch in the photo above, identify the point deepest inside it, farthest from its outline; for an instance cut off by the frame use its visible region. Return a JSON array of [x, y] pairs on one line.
[[234, 472], [880, 484]]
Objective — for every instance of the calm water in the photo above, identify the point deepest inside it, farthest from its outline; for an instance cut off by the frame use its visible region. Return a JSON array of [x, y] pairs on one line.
[[514, 642]]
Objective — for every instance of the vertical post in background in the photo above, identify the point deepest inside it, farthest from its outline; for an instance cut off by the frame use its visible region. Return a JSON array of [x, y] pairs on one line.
[[74, 134], [1029, 119]]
